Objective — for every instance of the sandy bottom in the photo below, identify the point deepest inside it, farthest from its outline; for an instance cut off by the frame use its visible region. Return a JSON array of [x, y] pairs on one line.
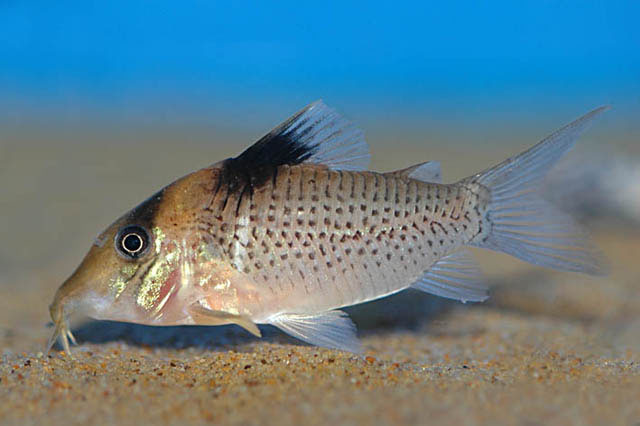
[[547, 348]]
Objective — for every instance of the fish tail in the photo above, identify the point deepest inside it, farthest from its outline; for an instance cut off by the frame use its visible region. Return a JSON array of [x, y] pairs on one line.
[[522, 224]]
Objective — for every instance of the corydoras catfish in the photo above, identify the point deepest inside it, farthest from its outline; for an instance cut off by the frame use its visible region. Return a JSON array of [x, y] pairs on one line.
[[296, 227]]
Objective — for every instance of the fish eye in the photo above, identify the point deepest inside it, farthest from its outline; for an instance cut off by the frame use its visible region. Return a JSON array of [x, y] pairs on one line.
[[132, 241]]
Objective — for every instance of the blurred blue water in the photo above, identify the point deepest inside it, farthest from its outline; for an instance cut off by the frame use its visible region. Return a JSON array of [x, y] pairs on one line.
[[162, 61]]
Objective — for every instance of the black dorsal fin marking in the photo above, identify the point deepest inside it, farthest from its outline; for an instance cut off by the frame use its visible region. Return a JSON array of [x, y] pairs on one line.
[[317, 134]]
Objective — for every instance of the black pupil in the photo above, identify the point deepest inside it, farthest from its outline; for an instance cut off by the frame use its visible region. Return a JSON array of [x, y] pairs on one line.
[[132, 243]]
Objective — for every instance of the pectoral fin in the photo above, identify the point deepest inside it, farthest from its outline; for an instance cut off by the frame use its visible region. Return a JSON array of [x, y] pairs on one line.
[[204, 316]]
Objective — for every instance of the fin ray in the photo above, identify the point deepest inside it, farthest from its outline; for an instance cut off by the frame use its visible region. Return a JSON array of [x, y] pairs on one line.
[[455, 276], [317, 134], [429, 171], [204, 316], [332, 329], [523, 224]]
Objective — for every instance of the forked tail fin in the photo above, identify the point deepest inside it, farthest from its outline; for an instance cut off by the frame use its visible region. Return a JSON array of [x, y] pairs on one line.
[[524, 225]]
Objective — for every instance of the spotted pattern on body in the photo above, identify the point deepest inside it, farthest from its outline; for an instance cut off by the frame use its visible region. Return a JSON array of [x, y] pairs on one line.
[[317, 238]]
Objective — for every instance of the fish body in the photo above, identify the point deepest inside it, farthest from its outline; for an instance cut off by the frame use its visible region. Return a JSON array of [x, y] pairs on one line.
[[295, 228]]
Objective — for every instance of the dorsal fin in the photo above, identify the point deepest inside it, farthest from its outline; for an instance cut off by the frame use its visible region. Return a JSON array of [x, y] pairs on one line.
[[425, 172], [317, 134]]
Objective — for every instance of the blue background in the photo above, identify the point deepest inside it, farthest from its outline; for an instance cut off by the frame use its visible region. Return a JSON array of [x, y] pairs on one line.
[[213, 64]]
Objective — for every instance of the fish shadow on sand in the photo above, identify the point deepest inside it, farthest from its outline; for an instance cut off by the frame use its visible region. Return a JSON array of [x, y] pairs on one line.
[[168, 337], [404, 312]]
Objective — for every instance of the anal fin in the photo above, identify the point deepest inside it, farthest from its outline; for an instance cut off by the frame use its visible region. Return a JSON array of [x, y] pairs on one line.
[[332, 329], [204, 316], [455, 276]]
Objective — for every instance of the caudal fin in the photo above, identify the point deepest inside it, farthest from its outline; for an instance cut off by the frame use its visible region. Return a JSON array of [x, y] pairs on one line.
[[524, 225]]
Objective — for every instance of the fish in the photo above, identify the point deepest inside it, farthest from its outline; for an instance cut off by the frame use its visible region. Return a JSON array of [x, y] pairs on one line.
[[296, 227]]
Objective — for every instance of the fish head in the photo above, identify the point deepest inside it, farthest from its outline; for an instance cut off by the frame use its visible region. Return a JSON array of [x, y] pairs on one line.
[[135, 269], [108, 269], [103, 285]]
